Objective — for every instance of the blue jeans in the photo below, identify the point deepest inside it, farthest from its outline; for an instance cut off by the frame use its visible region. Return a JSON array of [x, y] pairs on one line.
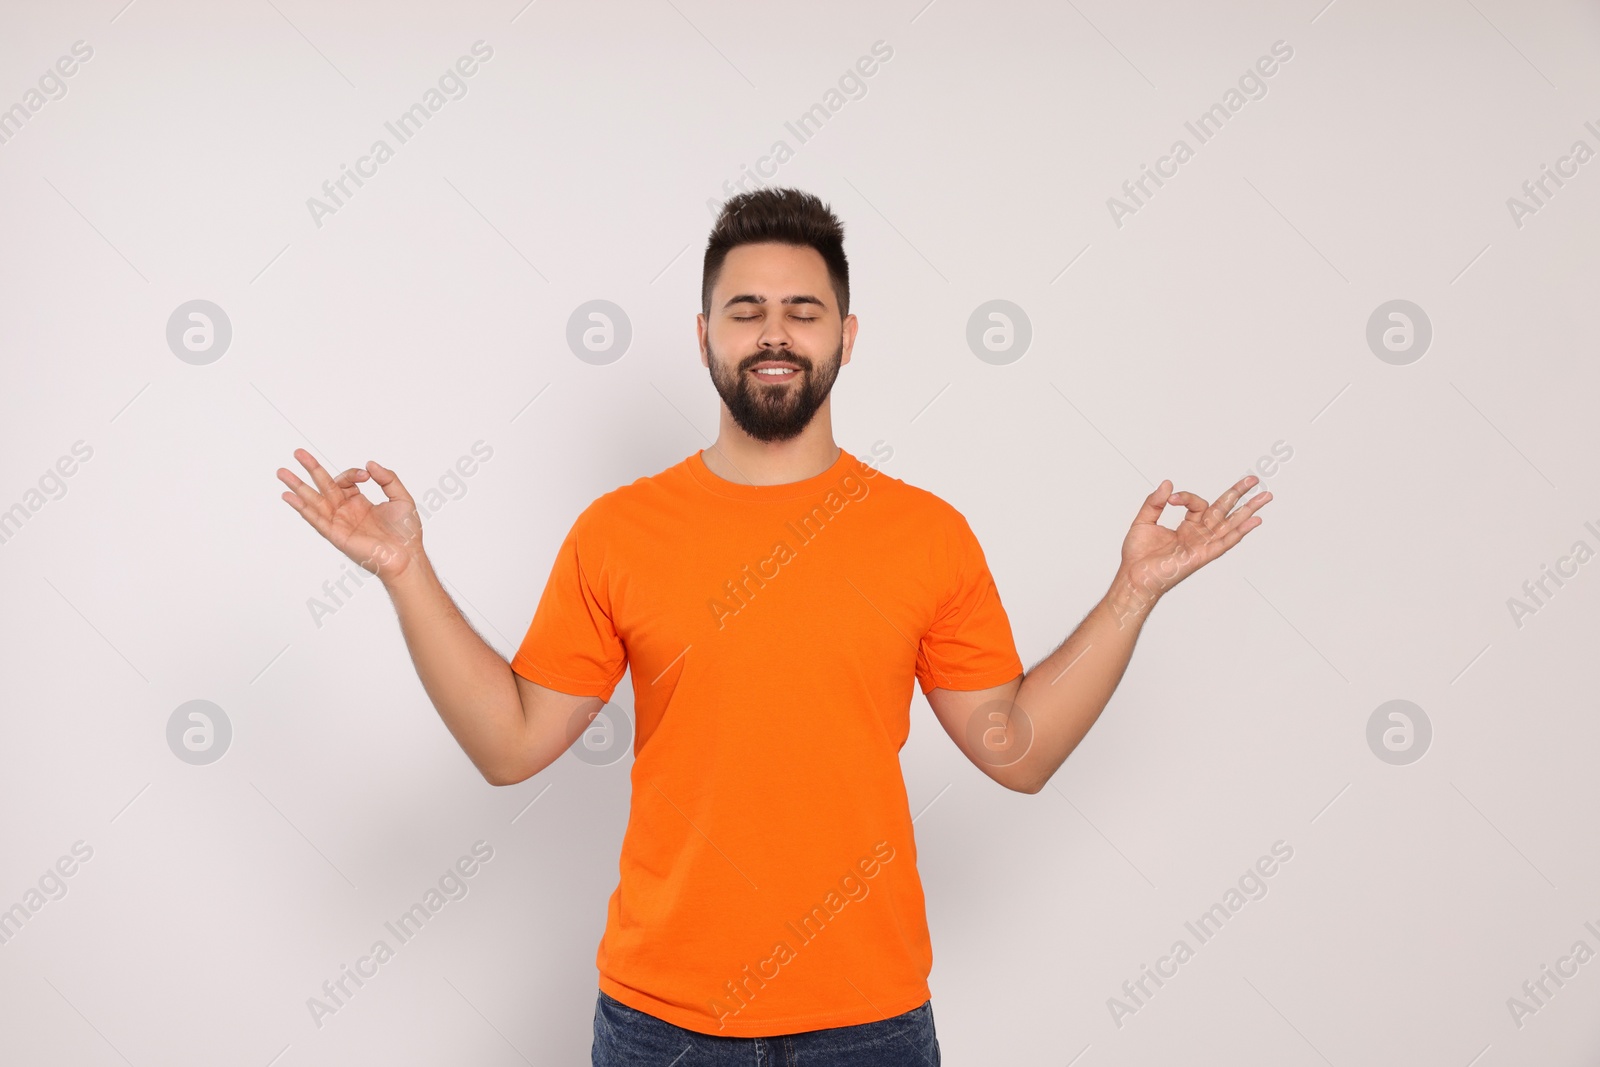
[[627, 1037]]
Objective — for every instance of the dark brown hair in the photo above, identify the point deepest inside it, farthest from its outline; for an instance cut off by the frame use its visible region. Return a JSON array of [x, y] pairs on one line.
[[788, 216]]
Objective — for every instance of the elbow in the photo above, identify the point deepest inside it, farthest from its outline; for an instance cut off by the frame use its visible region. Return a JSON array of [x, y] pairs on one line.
[[500, 774], [1018, 784], [1036, 779], [516, 767], [1031, 785]]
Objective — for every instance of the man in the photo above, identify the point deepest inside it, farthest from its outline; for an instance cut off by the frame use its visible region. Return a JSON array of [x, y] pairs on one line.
[[774, 597]]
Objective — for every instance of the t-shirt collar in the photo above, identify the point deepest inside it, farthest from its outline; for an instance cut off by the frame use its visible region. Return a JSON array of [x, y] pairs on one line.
[[715, 483]]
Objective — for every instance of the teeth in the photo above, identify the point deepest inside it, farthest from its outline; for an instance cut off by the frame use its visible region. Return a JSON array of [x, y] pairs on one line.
[[774, 370]]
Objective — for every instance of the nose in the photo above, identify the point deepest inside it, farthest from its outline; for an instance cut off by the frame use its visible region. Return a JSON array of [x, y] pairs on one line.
[[774, 335]]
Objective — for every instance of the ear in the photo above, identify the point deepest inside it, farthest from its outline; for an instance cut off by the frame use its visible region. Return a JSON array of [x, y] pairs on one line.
[[700, 326], [849, 338]]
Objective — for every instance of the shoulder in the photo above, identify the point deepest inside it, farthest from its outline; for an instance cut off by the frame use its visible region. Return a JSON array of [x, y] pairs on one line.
[[934, 513], [927, 527], [642, 496]]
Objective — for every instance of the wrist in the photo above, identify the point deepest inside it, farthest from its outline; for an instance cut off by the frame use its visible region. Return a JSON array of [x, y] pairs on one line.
[[1129, 600], [415, 571]]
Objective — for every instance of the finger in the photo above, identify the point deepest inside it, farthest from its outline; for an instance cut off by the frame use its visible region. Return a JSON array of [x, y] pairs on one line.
[[1195, 504], [308, 496], [1207, 518], [1235, 491], [1241, 522], [388, 481], [323, 479], [1243, 512], [346, 481], [1150, 511], [318, 523], [1236, 534]]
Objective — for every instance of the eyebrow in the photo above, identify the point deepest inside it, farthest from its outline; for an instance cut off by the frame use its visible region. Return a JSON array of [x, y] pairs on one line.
[[754, 298]]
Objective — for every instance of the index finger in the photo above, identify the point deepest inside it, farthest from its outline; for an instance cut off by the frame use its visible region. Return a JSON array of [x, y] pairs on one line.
[[1195, 505], [350, 477]]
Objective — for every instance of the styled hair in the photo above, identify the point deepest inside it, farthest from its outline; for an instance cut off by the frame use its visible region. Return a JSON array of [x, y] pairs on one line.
[[784, 215]]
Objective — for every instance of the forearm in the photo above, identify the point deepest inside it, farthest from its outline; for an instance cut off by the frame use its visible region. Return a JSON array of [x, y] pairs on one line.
[[470, 684], [1063, 695]]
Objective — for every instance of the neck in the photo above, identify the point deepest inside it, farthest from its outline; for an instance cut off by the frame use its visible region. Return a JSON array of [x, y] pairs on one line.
[[738, 457]]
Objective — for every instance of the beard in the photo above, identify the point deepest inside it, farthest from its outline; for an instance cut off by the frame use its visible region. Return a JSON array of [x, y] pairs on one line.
[[774, 411]]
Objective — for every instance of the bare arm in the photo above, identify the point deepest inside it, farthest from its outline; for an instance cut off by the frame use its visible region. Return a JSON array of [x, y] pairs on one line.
[[1021, 732], [509, 727]]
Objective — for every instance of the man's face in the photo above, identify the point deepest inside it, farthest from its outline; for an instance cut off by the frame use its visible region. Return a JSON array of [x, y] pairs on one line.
[[773, 306]]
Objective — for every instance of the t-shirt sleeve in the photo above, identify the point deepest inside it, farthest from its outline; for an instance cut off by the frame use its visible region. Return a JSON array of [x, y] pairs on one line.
[[572, 645], [969, 644]]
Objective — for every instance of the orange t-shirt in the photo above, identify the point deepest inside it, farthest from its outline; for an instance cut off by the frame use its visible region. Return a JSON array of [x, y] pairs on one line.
[[768, 870]]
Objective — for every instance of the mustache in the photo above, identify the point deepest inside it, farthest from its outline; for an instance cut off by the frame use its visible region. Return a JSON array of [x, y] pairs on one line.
[[762, 357], [799, 361]]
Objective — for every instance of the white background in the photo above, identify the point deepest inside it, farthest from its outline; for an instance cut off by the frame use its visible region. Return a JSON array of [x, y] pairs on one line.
[[1227, 314]]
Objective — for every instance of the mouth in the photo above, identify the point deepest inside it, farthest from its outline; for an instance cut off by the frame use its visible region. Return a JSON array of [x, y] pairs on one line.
[[775, 371]]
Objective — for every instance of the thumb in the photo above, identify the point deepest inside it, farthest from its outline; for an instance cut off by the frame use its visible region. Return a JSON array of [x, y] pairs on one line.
[[1154, 504], [388, 481]]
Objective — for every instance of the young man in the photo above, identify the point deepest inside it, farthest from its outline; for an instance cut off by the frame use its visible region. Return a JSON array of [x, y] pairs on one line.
[[775, 597]]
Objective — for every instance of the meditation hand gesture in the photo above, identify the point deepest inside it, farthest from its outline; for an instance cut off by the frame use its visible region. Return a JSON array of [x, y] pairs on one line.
[[1155, 558], [382, 538]]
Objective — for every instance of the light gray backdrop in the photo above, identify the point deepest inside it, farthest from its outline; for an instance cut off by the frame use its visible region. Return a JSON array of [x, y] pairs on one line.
[[1432, 463]]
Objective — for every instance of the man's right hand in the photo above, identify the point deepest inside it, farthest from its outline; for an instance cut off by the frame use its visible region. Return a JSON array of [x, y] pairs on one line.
[[385, 538]]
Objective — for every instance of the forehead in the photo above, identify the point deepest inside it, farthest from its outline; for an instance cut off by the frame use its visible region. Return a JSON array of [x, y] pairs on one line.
[[773, 270]]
